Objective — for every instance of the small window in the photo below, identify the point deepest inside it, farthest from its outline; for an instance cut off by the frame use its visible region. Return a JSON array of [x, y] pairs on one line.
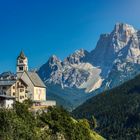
[[21, 68], [21, 97], [13, 87], [18, 84], [14, 93], [22, 90]]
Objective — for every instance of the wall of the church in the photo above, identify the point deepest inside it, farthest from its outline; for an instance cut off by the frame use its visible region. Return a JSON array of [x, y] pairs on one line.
[[39, 93]]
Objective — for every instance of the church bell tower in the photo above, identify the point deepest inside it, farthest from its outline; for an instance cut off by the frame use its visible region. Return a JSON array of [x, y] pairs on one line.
[[22, 63]]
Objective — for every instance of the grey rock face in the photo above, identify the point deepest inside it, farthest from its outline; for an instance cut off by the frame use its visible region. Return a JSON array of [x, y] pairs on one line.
[[115, 59], [64, 73]]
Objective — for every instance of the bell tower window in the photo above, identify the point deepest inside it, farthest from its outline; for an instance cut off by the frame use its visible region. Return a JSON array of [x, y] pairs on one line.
[[20, 68]]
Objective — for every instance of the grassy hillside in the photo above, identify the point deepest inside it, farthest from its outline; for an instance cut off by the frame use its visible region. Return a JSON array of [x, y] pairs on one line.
[[117, 111], [57, 124]]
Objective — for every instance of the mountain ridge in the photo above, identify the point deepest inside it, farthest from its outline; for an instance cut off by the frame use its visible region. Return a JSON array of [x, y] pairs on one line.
[[115, 59], [120, 46]]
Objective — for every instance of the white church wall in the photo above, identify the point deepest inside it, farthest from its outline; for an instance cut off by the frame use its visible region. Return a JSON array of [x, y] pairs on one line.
[[39, 93]]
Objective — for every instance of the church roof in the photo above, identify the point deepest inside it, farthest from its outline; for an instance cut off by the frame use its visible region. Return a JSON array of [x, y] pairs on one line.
[[35, 79], [21, 55]]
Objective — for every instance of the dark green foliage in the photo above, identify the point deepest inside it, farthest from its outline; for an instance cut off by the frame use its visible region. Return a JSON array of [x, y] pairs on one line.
[[59, 120], [117, 111], [14, 125], [21, 124]]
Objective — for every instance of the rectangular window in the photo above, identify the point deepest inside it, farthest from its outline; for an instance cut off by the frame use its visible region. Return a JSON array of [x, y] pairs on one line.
[[21, 97], [13, 87], [21, 68], [21, 89], [14, 94]]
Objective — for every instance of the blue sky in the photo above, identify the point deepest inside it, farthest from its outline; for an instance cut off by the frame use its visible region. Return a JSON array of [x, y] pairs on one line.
[[45, 27]]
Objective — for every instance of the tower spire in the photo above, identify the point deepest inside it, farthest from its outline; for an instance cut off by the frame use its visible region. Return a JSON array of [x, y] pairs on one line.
[[21, 55]]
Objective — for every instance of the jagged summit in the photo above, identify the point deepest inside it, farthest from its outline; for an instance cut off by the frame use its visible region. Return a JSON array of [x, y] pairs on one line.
[[123, 32], [77, 57], [117, 54], [54, 59], [123, 26]]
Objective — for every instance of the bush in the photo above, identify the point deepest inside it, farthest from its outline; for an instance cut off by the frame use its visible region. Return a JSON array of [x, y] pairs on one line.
[[21, 124]]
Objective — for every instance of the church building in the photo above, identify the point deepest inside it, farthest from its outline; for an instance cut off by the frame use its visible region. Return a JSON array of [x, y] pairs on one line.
[[25, 85], [36, 88]]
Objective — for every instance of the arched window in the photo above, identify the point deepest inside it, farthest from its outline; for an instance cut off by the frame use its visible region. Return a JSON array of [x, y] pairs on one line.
[[20, 68]]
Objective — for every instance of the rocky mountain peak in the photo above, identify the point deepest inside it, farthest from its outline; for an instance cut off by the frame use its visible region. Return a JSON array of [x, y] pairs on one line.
[[123, 32], [80, 52], [7, 76], [116, 56], [54, 59], [122, 27], [77, 57]]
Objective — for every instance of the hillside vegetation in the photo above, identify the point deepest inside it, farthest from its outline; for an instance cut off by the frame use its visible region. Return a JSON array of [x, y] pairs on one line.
[[56, 124], [117, 111]]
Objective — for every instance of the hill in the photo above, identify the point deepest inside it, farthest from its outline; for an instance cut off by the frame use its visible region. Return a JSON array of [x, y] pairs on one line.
[[57, 124], [117, 111]]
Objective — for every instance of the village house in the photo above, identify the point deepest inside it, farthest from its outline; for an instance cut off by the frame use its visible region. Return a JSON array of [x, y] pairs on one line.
[[15, 88], [6, 101], [26, 85]]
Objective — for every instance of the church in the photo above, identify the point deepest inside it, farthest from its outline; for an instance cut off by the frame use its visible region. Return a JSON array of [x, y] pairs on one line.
[[36, 88], [25, 85]]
